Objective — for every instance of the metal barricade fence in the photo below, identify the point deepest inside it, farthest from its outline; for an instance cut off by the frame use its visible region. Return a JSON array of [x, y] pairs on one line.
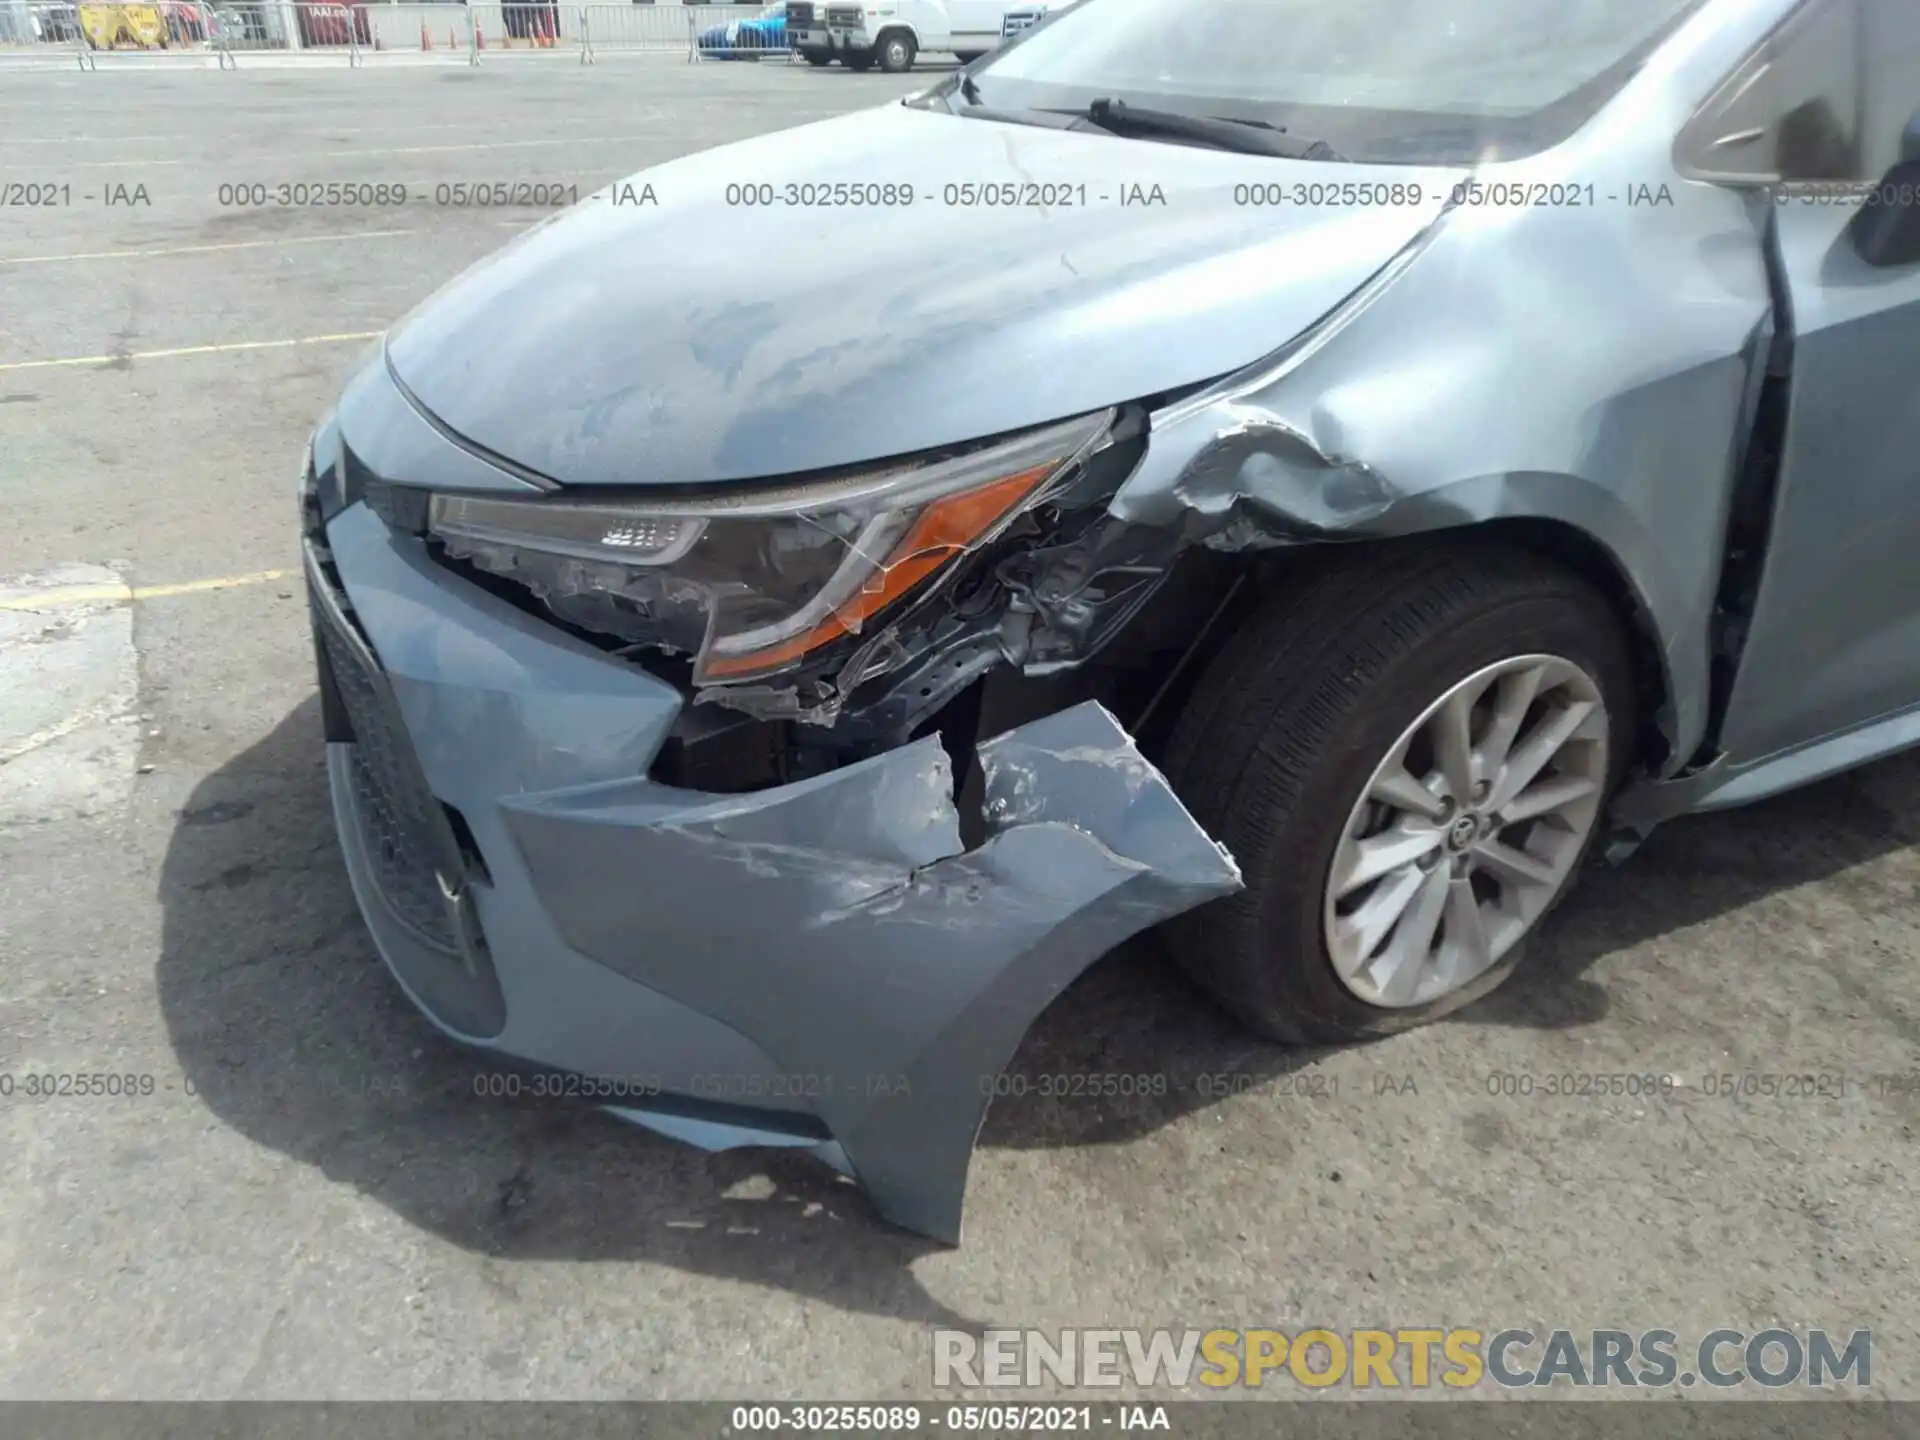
[[738, 32], [248, 25], [521, 26], [87, 28], [413, 27], [47, 29], [343, 28], [354, 29], [663, 29]]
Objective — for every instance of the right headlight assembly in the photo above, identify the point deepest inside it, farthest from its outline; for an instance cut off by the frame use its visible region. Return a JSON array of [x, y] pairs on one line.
[[753, 584]]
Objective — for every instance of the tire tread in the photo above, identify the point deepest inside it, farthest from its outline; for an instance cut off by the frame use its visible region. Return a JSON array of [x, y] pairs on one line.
[[1268, 718]]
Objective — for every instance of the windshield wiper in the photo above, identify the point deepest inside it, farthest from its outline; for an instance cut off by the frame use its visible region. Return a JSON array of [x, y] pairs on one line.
[[1248, 137], [974, 109]]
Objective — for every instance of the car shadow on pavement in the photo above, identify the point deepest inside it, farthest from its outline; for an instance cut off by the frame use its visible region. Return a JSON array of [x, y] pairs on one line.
[[1702, 866], [1131, 1022], [290, 1030]]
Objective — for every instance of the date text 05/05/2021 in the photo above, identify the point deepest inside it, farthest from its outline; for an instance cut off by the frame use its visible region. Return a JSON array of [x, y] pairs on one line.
[[990, 1419], [59, 193]]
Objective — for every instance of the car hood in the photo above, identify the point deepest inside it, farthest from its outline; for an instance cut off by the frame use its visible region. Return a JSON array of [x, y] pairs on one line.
[[664, 332]]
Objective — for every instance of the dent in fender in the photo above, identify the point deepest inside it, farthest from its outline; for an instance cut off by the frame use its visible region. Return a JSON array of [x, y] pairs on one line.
[[843, 927], [1442, 394]]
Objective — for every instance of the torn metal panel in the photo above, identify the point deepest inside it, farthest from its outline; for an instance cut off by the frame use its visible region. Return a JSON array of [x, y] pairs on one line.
[[1063, 769], [1078, 592], [889, 970]]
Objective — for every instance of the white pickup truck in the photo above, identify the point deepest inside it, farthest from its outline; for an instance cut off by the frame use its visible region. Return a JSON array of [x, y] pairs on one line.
[[893, 33]]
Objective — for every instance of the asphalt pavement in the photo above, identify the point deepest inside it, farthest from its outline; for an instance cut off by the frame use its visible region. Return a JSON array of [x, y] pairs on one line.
[[296, 1190]]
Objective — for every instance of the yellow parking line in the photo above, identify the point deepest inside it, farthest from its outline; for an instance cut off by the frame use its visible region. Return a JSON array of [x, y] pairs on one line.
[[95, 594], [203, 249], [195, 587], [190, 350]]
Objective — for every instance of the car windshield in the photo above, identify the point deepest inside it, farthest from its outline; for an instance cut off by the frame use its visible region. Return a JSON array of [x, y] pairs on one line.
[[1414, 81]]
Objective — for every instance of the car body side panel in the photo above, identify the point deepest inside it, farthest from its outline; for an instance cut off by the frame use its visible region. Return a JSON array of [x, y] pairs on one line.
[[1836, 631], [1583, 354], [888, 969]]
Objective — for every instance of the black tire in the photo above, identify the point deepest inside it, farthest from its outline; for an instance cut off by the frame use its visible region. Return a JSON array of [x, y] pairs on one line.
[[858, 61], [967, 57], [894, 51], [1288, 722], [817, 57]]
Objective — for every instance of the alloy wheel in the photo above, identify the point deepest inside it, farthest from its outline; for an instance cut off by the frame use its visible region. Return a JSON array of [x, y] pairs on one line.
[[1468, 830]]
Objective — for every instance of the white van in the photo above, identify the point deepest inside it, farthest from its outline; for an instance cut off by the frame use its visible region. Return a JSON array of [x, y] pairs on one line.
[[891, 33]]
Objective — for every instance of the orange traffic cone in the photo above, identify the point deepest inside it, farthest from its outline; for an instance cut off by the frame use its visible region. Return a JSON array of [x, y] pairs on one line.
[[426, 40]]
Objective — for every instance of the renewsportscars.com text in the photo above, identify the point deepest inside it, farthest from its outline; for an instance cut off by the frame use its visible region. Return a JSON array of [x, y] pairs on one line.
[[1409, 1357]]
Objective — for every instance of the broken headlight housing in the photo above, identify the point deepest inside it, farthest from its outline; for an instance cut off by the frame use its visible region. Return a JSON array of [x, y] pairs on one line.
[[759, 582]]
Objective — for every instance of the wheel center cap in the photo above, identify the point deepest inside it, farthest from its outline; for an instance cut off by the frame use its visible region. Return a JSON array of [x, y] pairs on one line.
[[1463, 832]]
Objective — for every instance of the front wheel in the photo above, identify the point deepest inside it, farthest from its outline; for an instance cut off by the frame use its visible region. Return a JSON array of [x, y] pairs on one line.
[[817, 57], [896, 53], [858, 61], [1408, 755]]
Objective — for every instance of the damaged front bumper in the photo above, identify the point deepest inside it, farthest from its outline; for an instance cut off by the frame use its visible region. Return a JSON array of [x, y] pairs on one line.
[[822, 963]]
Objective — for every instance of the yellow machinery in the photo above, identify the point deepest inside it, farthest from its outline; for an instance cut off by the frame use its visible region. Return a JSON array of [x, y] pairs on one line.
[[108, 26]]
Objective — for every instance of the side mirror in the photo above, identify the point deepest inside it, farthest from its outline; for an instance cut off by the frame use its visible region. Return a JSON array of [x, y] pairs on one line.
[[1886, 230]]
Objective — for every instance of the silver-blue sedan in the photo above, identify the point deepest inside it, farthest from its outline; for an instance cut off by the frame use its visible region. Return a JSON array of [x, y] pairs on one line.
[[1302, 475]]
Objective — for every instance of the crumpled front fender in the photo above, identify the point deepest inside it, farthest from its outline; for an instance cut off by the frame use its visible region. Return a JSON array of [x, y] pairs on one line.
[[842, 925]]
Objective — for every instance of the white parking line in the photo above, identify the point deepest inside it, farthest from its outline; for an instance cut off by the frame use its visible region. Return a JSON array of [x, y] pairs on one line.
[[189, 350]]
